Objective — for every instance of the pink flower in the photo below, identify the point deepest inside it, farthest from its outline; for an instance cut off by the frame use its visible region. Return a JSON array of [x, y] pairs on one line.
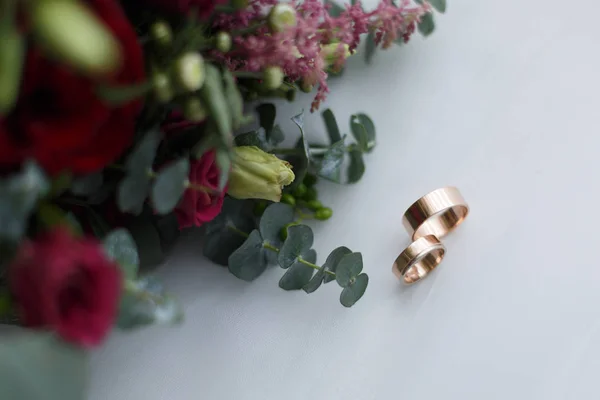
[[66, 285], [197, 206]]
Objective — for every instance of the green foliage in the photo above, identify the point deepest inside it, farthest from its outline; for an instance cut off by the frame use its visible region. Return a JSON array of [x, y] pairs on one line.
[[266, 118], [213, 95], [120, 247], [249, 261], [147, 240], [331, 163], [169, 186], [222, 233], [87, 185], [274, 218], [335, 10], [354, 291], [141, 158], [234, 100], [439, 5], [19, 194], [333, 260], [119, 95], [300, 161], [145, 302], [363, 131], [332, 127], [427, 24], [370, 47], [299, 275], [356, 169], [299, 241], [348, 268], [37, 366], [224, 163]]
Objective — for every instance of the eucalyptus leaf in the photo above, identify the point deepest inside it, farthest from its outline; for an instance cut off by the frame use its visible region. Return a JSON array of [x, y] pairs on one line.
[[355, 290], [275, 217], [370, 47], [140, 160], [276, 136], [348, 268], [120, 95], [87, 185], [356, 168], [439, 5], [363, 130], [333, 261], [266, 117], [249, 261], [213, 95], [299, 274], [332, 127], [299, 240], [147, 241], [170, 185], [427, 24], [234, 99], [300, 162], [223, 161], [335, 10], [315, 282], [145, 302], [330, 167], [132, 192], [225, 233], [38, 366], [253, 138], [120, 247]]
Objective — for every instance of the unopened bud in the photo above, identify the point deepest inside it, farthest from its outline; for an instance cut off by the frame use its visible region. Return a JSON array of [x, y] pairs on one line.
[[335, 54], [162, 87], [69, 31], [161, 33], [194, 111], [223, 42], [281, 17], [273, 77], [188, 72], [306, 87]]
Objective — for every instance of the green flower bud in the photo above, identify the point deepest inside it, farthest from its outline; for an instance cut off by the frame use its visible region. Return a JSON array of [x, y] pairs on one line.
[[188, 72], [259, 208], [323, 214], [284, 230], [162, 87], [12, 53], [314, 205], [290, 95], [288, 199], [223, 42], [333, 52], [300, 191], [257, 175], [306, 88], [281, 16], [194, 110], [273, 77], [310, 180], [311, 194], [161, 33], [72, 33]]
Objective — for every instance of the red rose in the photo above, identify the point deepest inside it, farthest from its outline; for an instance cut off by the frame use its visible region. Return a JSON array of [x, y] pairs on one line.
[[197, 207], [60, 121], [66, 285]]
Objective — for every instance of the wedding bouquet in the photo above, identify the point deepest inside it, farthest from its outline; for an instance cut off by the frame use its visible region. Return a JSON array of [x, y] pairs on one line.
[[122, 124]]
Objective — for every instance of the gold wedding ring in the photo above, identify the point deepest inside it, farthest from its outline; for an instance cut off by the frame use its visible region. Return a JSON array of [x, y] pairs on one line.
[[419, 259], [437, 213]]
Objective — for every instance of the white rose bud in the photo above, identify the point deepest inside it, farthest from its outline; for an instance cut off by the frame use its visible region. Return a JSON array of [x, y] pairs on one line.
[[281, 17]]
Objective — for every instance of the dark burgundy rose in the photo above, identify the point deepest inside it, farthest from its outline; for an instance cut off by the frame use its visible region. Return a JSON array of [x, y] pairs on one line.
[[66, 285], [60, 121]]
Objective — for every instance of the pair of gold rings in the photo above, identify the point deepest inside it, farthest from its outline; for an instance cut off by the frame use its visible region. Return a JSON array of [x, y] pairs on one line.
[[428, 220]]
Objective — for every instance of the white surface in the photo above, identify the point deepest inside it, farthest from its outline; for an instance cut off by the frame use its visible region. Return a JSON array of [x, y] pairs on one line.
[[501, 101]]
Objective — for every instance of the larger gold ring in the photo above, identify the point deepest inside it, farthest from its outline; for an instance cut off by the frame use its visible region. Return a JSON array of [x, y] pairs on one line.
[[437, 213], [419, 259]]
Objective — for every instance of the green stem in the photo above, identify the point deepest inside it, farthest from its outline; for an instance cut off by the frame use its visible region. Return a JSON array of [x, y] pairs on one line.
[[269, 246], [247, 74]]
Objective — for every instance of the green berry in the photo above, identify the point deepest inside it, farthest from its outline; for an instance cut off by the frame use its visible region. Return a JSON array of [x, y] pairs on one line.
[[310, 180], [223, 42], [273, 77], [161, 32], [314, 205], [311, 194], [300, 191], [284, 230], [259, 208], [323, 213], [288, 199]]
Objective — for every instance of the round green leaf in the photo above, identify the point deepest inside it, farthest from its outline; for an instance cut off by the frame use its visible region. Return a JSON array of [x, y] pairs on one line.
[[333, 261], [299, 275], [356, 169], [354, 291], [169, 186], [266, 117], [87, 185], [147, 241], [299, 241], [248, 262], [132, 192], [145, 302], [330, 165], [37, 366], [302, 161], [348, 268], [363, 130], [253, 138], [120, 247], [427, 24], [332, 126], [141, 159], [275, 217]]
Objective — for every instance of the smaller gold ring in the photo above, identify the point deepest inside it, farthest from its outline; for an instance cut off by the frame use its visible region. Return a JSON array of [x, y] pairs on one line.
[[419, 259], [437, 213]]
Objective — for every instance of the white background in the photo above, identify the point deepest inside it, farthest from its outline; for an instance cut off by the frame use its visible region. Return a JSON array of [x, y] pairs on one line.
[[502, 102]]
